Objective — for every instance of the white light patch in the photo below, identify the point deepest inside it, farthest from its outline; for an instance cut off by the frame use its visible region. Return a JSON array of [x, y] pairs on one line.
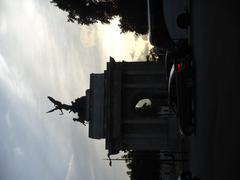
[[111, 39], [88, 36], [18, 152], [121, 46], [9, 123], [3, 26], [3, 67], [13, 81], [29, 7], [70, 168]]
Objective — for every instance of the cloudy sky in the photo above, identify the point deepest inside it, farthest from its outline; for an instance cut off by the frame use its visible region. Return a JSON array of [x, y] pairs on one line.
[[42, 54]]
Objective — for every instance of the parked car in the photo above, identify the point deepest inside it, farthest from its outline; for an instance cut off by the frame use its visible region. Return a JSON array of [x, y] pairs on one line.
[[168, 22], [180, 93]]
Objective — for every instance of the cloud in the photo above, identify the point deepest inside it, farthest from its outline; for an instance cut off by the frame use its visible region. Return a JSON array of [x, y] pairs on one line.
[[88, 36], [70, 168], [127, 47], [33, 63], [3, 67], [3, 26], [13, 81], [41, 54], [17, 151]]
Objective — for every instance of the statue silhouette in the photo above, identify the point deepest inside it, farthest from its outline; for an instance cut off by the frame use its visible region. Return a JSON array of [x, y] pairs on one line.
[[58, 105], [78, 106]]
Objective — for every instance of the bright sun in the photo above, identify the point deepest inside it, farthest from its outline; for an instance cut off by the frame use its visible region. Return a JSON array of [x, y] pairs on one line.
[[121, 46]]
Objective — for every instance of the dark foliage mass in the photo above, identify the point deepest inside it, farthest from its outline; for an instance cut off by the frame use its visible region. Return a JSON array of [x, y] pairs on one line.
[[132, 14], [154, 165], [144, 165]]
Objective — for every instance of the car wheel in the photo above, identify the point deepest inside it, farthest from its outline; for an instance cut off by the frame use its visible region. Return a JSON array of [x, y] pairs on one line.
[[183, 20], [186, 175], [188, 131]]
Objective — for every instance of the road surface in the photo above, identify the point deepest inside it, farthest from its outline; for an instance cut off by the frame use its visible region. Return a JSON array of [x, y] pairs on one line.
[[215, 148]]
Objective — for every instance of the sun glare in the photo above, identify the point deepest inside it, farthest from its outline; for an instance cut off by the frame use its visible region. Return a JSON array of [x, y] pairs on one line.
[[118, 45]]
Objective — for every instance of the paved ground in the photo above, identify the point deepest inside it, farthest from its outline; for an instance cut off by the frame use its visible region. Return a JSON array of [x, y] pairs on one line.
[[216, 40]]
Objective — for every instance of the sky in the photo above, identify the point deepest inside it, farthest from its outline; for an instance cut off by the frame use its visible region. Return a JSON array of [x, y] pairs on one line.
[[42, 54]]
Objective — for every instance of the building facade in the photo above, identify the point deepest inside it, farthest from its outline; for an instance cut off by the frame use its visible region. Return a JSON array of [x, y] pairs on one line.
[[127, 105]]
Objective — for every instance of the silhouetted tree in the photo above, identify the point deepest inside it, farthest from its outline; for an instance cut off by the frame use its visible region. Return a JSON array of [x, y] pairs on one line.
[[143, 165], [88, 12], [132, 14]]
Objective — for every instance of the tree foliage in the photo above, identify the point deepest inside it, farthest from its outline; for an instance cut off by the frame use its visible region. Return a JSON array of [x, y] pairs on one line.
[[88, 12], [143, 165], [132, 14]]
